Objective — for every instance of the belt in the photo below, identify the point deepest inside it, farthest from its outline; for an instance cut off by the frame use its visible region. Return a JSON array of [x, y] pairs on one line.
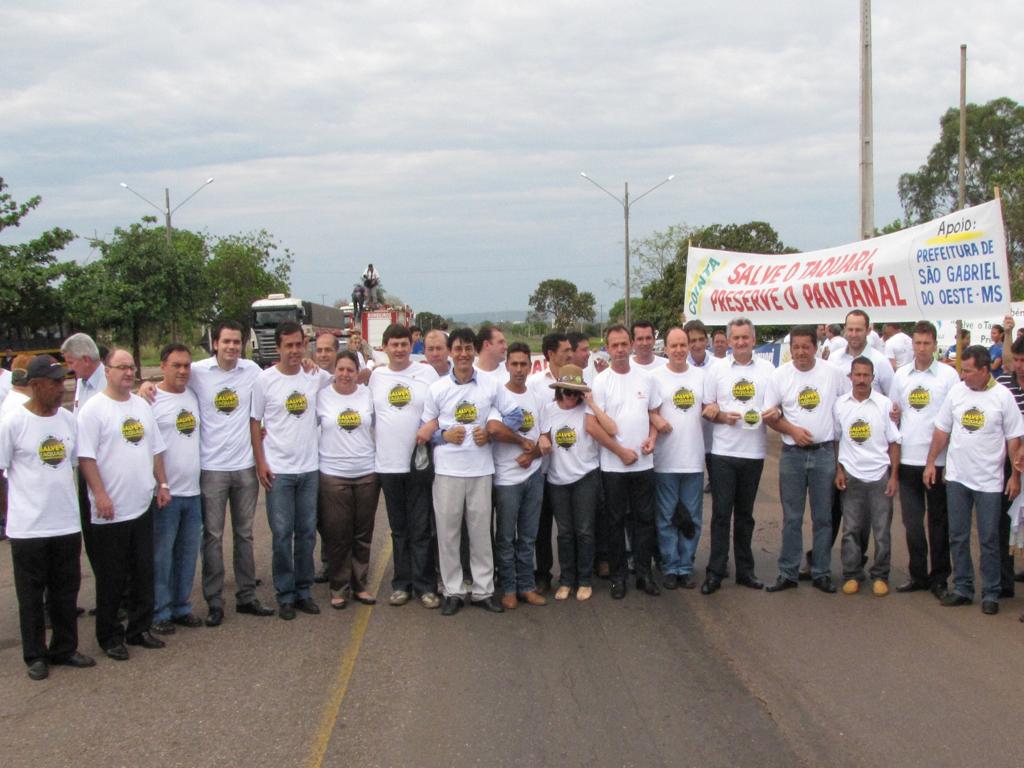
[[811, 447]]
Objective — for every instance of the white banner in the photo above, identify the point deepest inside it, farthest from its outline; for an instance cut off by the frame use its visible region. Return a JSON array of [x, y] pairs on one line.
[[950, 268]]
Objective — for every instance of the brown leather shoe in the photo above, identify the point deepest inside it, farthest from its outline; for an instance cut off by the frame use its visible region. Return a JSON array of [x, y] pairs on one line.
[[509, 602], [532, 598]]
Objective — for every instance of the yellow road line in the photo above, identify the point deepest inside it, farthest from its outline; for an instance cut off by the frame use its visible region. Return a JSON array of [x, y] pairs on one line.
[[348, 662]]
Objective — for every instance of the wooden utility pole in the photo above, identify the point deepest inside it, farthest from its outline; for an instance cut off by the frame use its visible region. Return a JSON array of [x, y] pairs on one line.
[[867, 163]]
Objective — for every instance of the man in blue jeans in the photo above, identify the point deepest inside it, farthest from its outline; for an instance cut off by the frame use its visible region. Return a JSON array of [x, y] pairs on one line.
[[287, 464], [979, 425], [178, 527], [801, 395]]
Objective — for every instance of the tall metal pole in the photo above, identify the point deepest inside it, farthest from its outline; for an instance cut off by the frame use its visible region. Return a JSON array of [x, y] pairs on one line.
[[625, 210], [963, 130], [867, 164], [167, 218]]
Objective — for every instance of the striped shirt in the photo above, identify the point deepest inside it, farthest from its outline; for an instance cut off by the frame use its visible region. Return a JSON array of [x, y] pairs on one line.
[[1009, 381]]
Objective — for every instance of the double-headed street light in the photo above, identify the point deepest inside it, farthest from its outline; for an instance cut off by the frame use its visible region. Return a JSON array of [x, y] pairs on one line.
[[626, 204], [167, 211]]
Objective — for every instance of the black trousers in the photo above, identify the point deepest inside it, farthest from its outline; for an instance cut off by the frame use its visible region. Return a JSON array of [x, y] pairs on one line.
[[1006, 570], [408, 501], [630, 492], [85, 514], [734, 483], [918, 504], [543, 551], [123, 554], [47, 566]]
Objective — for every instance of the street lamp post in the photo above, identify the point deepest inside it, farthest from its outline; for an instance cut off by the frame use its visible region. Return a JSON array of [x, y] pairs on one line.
[[626, 205], [167, 211]]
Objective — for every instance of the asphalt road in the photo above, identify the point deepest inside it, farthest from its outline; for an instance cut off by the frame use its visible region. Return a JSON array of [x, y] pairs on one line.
[[736, 679]]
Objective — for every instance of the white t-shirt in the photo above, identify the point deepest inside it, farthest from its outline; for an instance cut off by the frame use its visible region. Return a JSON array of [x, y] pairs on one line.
[[346, 432], [500, 374], [682, 399], [627, 398], [465, 405], [919, 395], [875, 342], [900, 348], [706, 426], [5, 384], [574, 452], [740, 389], [225, 401], [806, 398], [506, 470], [14, 399], [37, 452], [883, 368], [650, 367], [122, 436], [398, 399], [836, 345], [978, 424], [864, 431], [286, 404], [87, 389], [178, 419]]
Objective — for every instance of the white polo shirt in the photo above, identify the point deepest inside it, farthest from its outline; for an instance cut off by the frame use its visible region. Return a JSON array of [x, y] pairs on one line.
[[225, 401], [178, 419], [574, 453], [682, 399], [506, 469], [398, 400], [122, 436], [864, 432], [883, 368], [806, 398], [627, 398], [37, 453], [740, 389], [978, 424], [919, 395]]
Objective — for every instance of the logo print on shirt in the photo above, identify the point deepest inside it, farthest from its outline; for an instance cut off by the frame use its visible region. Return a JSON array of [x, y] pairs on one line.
[[565, 437], [465, 412], [185, 423], [52, 451], [132, 430], [528, 422], [349, 419], [683, 399], [860, 431], [809, 398], [296, 404], [226, 400], [973, 419], [399, 396], [919, 398], [752, 417], [743, 390]]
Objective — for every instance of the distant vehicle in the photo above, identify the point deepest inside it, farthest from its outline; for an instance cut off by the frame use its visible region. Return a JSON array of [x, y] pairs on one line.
[[36, 340], [375, 321], [277, 308]]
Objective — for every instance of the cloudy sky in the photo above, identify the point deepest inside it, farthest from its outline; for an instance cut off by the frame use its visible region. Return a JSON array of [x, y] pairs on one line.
[[443, 141]]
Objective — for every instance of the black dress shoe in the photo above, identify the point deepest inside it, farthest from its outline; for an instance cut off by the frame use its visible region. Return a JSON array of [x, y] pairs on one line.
[[76, 659], [1019, 576], [781, 584], [710, 586], [117, 652], [912, 586], [648, 585], [824, 584], [1006, 593], [618, 590], [286, 611], [215, 618], [686, 581], [254, 608], [307, 605], [38, 670], [146, 640], [751, 582], [989, 607], [452, 605], [321, 576], [162, 628], [671, 581], [939, 590], [952, 600], [189, 620], [488, 604]]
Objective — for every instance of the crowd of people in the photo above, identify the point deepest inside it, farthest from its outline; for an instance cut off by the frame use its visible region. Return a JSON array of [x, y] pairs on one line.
[[482, 464]]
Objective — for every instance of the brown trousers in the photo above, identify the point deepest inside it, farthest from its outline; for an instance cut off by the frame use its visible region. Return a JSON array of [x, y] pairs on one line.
[[346, 511]]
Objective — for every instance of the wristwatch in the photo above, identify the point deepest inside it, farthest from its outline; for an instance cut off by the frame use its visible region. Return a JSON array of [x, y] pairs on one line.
[[165, 486]]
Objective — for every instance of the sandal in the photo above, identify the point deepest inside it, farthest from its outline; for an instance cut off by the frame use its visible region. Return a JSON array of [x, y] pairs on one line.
[[563, 593], [584, 593], [367, 600], [339, 603]]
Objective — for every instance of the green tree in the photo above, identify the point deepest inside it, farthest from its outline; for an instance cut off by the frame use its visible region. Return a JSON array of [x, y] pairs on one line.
[[429, 320], [29, 294], [563, 303], [241, 269], [995, 157]]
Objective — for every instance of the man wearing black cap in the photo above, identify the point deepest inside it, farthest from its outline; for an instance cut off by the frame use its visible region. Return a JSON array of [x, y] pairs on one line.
[[37, 442]]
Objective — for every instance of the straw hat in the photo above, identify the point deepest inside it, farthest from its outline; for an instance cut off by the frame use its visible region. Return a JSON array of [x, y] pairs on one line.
[[570, 377]]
